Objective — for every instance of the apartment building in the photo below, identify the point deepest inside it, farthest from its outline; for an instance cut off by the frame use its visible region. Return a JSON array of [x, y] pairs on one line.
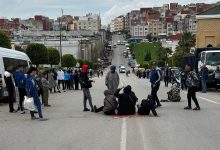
[[91, 22], [118, 24]]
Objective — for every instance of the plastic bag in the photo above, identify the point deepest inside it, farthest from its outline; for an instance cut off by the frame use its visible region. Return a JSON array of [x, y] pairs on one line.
[[29, 103]]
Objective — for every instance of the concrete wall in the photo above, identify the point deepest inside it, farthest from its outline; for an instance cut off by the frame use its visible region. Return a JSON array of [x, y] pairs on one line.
[[208, 32]]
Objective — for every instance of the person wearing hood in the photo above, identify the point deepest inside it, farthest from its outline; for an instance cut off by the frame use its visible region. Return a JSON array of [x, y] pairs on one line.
[[126, 100], [86, 84], [110, 104], [112, 79]]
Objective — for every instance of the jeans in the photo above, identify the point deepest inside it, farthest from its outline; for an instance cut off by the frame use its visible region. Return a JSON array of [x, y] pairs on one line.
[[166, 80], [22, 93], [38, 105], [154, 90], [87, 96], [217, 82], [106, 113], [192, 95], [204, 86]]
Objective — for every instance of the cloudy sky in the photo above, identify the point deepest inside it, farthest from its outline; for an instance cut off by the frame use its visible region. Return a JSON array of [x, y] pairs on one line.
[[108, 9]]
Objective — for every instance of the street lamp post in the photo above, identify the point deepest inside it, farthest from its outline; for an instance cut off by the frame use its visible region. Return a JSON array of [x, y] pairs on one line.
[[60, 42]]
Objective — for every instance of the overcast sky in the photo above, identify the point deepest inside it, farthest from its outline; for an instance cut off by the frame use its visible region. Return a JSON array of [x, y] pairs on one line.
[[108, 9]]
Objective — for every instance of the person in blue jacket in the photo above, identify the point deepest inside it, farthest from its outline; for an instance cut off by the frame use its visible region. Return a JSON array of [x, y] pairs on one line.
[[20, 80], [155, 78], [66, 80], [32, 91]]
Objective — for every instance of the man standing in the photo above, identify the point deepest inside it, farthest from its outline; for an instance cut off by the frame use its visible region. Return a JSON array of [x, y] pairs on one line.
[[204, 73], [155, 78], [112, 80], [60, 78], [166, 76], [10, 87], [191, 82], [20, 80]]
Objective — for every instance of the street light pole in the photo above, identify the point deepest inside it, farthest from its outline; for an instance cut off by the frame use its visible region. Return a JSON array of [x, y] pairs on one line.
[[60, 30]]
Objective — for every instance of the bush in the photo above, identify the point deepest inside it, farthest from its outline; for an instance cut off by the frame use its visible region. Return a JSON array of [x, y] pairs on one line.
[[53, 56], [4, 40], [37, 53], [68, 61]]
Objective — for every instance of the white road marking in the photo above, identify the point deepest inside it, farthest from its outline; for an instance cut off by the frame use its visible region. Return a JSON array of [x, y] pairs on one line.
[[123, 142], [206, 99]]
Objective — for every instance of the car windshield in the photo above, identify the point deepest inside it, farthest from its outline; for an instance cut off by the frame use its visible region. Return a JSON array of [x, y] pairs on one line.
[[213, 58]]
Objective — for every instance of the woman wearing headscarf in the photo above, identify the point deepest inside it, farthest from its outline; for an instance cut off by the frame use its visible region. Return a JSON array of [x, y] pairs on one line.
[[112, 79]]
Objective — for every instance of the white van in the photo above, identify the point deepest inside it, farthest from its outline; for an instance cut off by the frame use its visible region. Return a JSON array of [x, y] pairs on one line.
[[9, 56]]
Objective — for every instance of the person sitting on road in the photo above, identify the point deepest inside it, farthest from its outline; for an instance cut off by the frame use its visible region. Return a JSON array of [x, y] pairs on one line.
[[127, 101], [146, 106], [110, 104]]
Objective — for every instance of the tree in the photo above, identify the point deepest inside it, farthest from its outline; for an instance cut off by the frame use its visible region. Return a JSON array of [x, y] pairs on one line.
[[187, 42], [68, 60], [4, 40], [53, 56], [19, 48], [149, 37], [37, 53], [147, 56], [163, 54]]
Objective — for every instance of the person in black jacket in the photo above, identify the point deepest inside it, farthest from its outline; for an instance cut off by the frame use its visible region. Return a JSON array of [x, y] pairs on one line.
[[146, 106], [127, 101], [10, 87], [86, 85], [76, 80]]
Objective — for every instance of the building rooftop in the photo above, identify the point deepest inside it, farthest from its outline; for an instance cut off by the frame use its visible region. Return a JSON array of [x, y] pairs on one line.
[[212, 11]]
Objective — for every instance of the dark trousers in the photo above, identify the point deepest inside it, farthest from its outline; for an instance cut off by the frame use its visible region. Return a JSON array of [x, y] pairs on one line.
[[147, 111], [154, 93], [61, 82], [76, 85], [192, 95], [11, 98], [67, 84], [166, 80], [22, 93]]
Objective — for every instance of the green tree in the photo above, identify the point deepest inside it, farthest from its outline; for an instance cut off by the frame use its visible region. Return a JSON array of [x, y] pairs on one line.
[[186, 43], [163, 54], [68, 60], [80, 61], [147, 56], [4, 40], [53, 56], [19, 48], [37, 53]]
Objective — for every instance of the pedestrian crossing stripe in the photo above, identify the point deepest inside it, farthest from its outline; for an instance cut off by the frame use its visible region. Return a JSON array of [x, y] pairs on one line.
[[126, 116]]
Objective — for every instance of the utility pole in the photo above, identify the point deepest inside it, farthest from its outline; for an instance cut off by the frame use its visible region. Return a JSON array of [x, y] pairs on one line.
[[60, 30]]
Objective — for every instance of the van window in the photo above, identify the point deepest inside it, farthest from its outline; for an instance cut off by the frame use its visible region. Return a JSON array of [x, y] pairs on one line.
[[14, 62]]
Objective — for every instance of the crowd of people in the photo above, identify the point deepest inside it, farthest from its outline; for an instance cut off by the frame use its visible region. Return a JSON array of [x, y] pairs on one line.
[[37, 84]]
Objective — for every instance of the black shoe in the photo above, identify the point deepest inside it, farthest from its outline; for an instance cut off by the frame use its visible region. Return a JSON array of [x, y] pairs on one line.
[[188, 107], [86, 109], [13, 111], [95, 109], [92, 110], [196, 108]]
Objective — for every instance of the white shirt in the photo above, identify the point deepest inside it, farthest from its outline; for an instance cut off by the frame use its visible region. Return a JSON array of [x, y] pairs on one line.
[[60, 75]]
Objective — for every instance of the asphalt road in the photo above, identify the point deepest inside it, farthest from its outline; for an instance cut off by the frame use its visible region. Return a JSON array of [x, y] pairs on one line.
[[69, 128]]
